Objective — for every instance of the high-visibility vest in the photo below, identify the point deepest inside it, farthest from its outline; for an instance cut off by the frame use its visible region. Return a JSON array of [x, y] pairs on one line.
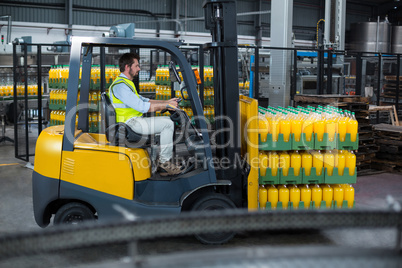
[[123, 111]]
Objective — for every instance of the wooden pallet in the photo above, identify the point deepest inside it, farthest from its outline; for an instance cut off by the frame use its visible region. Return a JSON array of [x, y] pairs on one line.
[[329, 99], [392, 112], [389, 140], [392, 78]]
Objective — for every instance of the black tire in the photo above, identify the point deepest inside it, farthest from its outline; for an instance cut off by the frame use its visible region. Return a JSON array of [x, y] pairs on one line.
[[214, 201], [73, 213]]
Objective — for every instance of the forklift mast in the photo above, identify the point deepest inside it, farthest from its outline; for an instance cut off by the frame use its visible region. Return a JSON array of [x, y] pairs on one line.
[[220, 19]]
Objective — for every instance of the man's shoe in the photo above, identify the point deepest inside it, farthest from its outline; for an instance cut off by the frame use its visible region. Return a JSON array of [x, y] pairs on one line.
[[169, 169]]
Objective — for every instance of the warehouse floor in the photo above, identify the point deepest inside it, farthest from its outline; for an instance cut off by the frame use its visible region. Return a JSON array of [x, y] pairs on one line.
[[16, 216]]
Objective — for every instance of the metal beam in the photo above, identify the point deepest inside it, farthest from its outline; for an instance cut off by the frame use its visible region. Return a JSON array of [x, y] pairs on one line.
[[281, 36], [69, 16]]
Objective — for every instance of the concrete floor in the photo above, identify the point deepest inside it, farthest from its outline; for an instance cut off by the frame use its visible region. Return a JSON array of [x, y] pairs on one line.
[[16, 216]]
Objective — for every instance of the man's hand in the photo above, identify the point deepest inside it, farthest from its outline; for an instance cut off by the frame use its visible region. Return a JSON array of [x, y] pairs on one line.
[[172, 102], [175, 99]]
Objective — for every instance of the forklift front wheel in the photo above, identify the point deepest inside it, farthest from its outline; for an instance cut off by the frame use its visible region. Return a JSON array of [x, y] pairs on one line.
[[73, 213], [214, 201]]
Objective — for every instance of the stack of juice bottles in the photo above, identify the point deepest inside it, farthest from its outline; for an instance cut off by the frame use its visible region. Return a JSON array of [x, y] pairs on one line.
[[162, 75], [147, 86], [209, 96], [309, 128], [58, 79], [208, 76], [316, 169], [163, 92], [58, 76], [244, 85], [57, 117], [57, 98], [306, 196], [94, 121], [188, 111], [8, 90], [209, 113]]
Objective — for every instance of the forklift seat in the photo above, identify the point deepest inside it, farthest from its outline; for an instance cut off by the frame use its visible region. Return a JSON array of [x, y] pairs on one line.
[[119, 133]]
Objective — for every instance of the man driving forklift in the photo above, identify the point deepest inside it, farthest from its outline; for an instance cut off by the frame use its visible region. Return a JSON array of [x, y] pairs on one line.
[[130, 107]]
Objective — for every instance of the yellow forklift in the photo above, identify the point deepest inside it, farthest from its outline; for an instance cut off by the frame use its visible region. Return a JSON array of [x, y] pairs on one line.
[[80, 175]]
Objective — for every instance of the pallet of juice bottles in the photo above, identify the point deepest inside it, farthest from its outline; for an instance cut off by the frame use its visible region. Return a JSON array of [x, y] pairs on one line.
[[305, 147], [58, 76], [162, 75], [300, 128], [300, 190], [58, 98], [294, 197]]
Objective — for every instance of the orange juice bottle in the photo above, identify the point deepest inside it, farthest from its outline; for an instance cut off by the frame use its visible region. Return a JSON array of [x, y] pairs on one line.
[[273, 163], [330, 128], [274, 127], [94, 97], [349, 194], [158, 75], [90, 122], [56, 117], [284, 163], [327, 195], [95, 116], [60, 96], [342, 127], [305, 196], [65, 97], [294, 196], [262, 196], [352, 127], [319, 128], [307, 162], [51, 97], [341, 162], [316, 195], [10, 90], [51, 117], [329, 162], [338, 195], [284, 196], [263, 127], [263, 163], [63, 117], [308, 127], [318, 162], [268, 117], [296, 127], [295, 162], [284, 127], [350, 162], [273, 196]]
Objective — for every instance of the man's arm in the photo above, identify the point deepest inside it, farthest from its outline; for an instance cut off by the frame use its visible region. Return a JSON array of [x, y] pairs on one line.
[[158, 105], [125, 94]]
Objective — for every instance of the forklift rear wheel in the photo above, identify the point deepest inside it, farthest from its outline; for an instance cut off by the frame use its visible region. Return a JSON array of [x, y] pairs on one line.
[[214, 201], [73, 213]]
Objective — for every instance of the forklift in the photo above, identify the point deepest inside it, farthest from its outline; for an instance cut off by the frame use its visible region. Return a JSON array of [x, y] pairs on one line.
[[82, 176]]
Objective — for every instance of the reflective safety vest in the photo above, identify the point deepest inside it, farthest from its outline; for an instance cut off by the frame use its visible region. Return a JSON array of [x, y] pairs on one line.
[[123, 111]]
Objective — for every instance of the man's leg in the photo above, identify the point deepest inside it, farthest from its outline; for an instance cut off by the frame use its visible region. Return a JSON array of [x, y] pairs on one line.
[[154, 125]]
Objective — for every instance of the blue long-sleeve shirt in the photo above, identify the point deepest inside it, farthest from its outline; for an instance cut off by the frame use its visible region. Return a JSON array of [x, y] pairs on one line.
[[128, 97]]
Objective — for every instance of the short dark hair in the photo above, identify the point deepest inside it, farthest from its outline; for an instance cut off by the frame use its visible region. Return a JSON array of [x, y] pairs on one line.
[[127, 59]]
